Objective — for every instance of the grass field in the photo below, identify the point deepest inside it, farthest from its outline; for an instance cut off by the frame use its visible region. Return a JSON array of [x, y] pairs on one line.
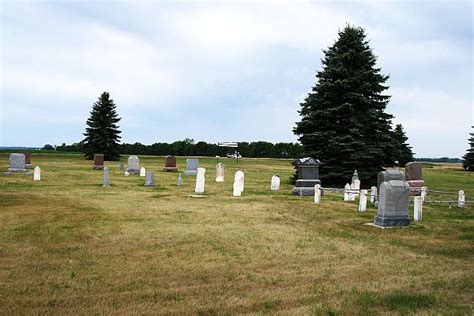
[[69, 246]]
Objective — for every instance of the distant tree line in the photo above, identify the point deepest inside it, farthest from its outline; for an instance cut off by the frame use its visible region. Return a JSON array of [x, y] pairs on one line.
[[442, 159], [188, 147]]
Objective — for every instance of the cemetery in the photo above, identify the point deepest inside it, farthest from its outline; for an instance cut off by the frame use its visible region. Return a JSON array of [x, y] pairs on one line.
[[100, 241]]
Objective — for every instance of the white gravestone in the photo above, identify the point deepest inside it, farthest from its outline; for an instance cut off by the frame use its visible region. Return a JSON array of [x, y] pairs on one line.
[[373, 194], [220, 172], [363, 201], [317, 194], [424, 192], [461, 198], [126, 173], [200, 180], [105, 182], [180, 180], [238, 183], [191, 167], [37, 174], [133, 165], [347, 188], [142, 172], [418, 209], [275, 185]]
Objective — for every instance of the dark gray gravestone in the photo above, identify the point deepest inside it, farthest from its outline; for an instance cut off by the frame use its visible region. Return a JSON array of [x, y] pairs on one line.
[[149, 179], [17, 163], [308, 176], [387, 175], [392, 208], [191, 167]]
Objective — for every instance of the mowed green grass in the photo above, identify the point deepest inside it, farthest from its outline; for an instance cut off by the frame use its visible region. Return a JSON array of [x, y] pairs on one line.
[[69, 246]]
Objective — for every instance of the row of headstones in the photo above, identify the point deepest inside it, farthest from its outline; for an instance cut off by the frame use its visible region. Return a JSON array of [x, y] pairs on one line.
[[133, 164], [238, 186], [19, 163]]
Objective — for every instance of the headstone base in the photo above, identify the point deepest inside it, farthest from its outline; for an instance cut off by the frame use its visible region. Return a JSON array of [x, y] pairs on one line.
[[16, 170], [29, 166], [98, 167], [131, 171], [170, 169], [391, 221], [190, 173], [7, 173], [416, 186], [305, 187]]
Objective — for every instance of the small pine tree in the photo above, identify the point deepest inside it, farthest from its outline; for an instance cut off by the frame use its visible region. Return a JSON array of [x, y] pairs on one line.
[[102, 135], [468, 162], [343, 120], [402, 150]]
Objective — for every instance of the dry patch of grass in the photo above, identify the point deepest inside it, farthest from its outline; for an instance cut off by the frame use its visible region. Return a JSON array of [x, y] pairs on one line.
[[67, 245]]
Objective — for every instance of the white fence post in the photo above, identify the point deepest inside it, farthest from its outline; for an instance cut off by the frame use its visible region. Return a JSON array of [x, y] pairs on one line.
[[317, 194], [461, 198], [424, 192], [418, 209], [363, 201]]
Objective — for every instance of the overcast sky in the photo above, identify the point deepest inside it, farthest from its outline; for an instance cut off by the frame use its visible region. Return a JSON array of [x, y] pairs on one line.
[[233, 71]]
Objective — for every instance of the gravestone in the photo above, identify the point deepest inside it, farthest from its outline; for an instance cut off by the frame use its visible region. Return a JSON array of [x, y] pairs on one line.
[[355, 176], [220, 172], [105, 182], [347, 189], [149, 179], [317, 194], [414, 176], [200, 181], [363, 201], [133, 165], [122, 167], [170, 164], [126, 173], [387, 175], [180, 180], [17, 163], [98, 162], [142, 172], [37, 174], [394, 196], [275, 184], [238, 186], [28, 164], [192, 166], [308, 176]]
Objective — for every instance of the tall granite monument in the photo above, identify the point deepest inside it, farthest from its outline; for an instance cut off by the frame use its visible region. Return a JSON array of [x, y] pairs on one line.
[[308, 176]]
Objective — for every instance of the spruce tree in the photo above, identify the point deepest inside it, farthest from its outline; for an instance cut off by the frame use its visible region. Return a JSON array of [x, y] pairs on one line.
[[468, 162], [343, 120], [401, 149], [102, 135]]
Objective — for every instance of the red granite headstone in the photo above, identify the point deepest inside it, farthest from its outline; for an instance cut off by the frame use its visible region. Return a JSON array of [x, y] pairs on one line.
[[28, 164], [413, 174], [98, 162], [170, 164]]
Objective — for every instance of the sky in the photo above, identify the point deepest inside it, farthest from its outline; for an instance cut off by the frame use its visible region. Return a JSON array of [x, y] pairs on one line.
[[225, 71]]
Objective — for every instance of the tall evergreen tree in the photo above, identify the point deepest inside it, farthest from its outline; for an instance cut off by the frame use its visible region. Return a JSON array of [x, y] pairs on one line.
[[468, 162], [343, 120], [401, 149], [102, 135]]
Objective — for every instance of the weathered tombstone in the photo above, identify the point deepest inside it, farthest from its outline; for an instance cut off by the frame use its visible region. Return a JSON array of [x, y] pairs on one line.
[[387, 175], [308, 176], [122, 167], [105, 182], [394, 196], [461, 198], [373, 194], [363, 201], [142, 172], [192, 166], [170, 164], [180, 180], [133, 165], [238, 187], [37, 174], [220, 172], [98, 162], [317, 194], [355, 176], [347, 188], [28, 164], [200, 180], [275, 184], [418, 209], [149, 179], [414, 176], [356, 184], [17, 163]]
